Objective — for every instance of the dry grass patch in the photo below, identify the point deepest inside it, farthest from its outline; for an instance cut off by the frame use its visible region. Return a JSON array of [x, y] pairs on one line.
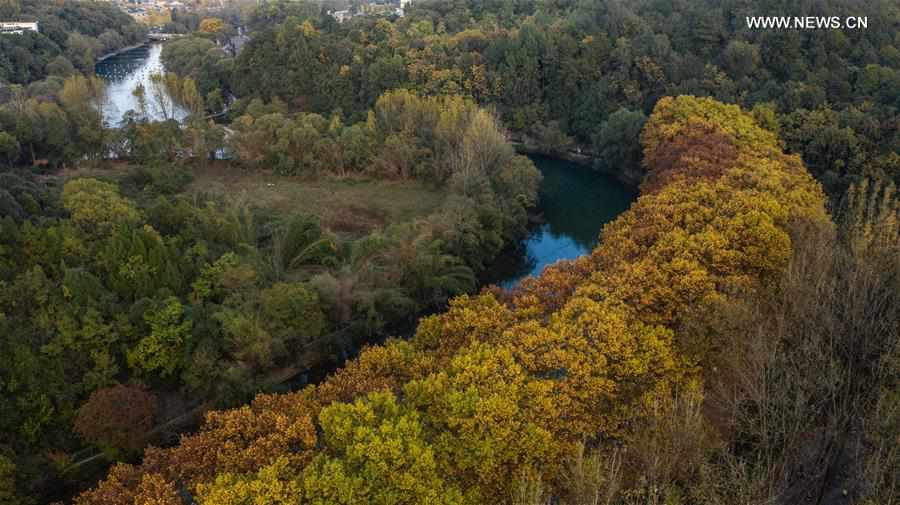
[[345, 205]]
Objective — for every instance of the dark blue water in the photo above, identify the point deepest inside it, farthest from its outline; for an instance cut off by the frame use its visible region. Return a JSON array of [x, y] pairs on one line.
[[575, 203]]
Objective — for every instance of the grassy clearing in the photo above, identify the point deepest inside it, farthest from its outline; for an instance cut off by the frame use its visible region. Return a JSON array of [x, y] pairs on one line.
[[346, 206]]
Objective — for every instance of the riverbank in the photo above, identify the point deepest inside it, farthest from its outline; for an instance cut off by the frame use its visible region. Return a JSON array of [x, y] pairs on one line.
[[579, 156]]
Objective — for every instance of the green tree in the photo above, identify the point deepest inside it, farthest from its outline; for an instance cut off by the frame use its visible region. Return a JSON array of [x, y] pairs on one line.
[[9, 148], [61, 67], [83, 99], [618, 140], [740, 59], [162, 351], [81, 51], [292, 313], [8, 495], [97, 206]]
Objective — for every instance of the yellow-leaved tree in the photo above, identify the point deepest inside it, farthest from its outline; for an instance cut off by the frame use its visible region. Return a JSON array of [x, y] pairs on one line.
[[490, 398]]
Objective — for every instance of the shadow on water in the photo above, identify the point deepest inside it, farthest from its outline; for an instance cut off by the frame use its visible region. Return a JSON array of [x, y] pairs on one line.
[[575, 203], [117, 69]]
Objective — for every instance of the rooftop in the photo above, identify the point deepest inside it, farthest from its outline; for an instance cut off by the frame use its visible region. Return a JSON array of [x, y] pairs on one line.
[[18, 27]]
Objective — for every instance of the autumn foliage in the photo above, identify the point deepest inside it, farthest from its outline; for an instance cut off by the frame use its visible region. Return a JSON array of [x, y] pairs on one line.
[[495, 394], [117, 418]]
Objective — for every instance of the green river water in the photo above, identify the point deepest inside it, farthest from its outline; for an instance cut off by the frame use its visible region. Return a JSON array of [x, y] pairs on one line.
[[575, 203]]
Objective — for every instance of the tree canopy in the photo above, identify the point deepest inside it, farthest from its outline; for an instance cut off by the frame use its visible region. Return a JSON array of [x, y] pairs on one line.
[[492, 396], [70, 33]]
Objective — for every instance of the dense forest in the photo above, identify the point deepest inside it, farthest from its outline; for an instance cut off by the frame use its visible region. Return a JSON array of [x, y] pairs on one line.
[[563, 73], [204, 302], [733, 338], [72, 35], [648, 372]]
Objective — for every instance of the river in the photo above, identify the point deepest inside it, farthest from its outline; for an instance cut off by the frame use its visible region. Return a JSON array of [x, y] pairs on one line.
[[122, 73], [575, 203]]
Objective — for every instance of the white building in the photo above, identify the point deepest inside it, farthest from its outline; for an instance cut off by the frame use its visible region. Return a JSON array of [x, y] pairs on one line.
[[17, 28], [374, 8], [341, 16]]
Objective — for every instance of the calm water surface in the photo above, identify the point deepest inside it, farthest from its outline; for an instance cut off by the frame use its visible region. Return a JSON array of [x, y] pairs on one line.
[[122, 74], [575, 204], [575, 201]]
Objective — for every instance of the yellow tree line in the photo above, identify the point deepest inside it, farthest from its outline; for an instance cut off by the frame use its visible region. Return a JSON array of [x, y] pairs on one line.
[[497, 392]]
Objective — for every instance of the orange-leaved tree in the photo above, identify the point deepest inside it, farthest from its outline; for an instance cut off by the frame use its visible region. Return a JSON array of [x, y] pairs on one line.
[[489, 397]]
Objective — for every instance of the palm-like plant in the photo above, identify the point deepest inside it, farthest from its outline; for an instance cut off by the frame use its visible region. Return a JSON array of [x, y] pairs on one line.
[[440, 276], [301, 243]]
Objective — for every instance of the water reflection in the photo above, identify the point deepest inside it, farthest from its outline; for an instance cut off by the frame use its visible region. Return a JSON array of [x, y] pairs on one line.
[[575, 204], [122, 74]]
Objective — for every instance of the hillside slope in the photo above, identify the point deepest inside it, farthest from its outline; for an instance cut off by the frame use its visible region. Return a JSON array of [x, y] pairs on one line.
[[72, 33]]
